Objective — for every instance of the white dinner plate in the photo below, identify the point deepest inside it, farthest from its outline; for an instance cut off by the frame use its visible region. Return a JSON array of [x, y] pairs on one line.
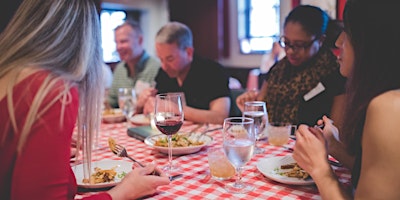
[[140, 119], [207, 140], [116, 116], [121, 167], [271, 168]]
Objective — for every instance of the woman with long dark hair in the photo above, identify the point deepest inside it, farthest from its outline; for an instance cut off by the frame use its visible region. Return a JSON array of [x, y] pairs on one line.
[[371, 135]]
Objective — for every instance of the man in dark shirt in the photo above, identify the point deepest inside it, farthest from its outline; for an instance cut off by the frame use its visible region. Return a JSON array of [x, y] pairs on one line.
[[203, 81]]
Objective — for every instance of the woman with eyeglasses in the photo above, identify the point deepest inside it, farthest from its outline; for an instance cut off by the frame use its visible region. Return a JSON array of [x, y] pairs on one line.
[[306, 83]]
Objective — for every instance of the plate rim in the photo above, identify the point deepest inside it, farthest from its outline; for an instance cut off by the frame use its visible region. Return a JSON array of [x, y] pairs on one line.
[[101, 185], [270, 174], [178, 150], [137, 122], [119, 117]]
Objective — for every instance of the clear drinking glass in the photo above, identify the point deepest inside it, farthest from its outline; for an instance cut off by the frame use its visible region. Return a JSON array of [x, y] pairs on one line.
[[279, 133], [127, 102], [168, 117], [257, 110], [220, 167], [239, 139]]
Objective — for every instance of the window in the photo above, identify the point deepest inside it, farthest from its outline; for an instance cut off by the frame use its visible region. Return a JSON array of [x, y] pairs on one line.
[[258, 25], [109, 20]]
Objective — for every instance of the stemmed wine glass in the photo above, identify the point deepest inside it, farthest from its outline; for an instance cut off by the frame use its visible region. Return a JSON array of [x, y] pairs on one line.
[[239, 139], [257, 110], [168, 117], [127, 102]]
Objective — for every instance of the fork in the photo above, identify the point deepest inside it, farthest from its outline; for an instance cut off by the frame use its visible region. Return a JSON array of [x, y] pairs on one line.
[[193, 131], [120, 151], [201, 135]]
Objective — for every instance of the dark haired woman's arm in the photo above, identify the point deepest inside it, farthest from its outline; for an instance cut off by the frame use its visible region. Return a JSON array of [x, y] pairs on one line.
[[335, 147]]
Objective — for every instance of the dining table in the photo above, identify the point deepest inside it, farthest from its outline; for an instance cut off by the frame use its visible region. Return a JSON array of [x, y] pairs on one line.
[[195, 182]]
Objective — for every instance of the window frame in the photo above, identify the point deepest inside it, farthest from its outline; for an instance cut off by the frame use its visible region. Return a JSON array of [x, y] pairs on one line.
[[245, 37]]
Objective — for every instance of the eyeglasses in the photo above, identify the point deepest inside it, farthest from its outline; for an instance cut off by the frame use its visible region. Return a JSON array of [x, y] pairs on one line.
[[295, 47]]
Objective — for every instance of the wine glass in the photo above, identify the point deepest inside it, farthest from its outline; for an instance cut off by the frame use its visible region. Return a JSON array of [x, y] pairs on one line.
[[257, 110], [239, 140], [168, 117], [127, 102]]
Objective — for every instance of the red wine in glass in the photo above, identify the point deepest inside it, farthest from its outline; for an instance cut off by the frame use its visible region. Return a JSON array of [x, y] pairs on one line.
[[169, 127]]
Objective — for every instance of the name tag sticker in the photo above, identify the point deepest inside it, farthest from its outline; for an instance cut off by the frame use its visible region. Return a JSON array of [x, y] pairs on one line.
[[314, 92]]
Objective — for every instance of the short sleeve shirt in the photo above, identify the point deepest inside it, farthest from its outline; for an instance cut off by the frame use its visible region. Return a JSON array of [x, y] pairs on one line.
[[146, 70], [205, 82]]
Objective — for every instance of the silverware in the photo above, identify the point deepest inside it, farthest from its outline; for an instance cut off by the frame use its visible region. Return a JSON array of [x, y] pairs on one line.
[[171, 178], [214, 129], [120, 151], [198, 137], [193, 131], [321, 126], [331, 162]]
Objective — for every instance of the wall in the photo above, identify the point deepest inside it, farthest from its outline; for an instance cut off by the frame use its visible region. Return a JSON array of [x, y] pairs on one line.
[[237, 59], [205, 19], [156, 14]]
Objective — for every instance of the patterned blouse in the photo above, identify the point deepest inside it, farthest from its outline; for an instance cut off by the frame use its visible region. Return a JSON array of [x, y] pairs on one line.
[[289, 97]]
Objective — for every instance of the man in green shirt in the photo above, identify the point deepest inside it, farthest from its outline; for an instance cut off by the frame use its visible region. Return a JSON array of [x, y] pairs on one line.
[[137, 68]]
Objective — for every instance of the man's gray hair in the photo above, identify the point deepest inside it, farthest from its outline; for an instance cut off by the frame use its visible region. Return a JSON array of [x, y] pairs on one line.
[[175, 32], [133, 24]]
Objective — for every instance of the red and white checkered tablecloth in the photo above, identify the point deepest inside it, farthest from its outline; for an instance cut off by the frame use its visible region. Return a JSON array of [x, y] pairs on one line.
[[192, 184]]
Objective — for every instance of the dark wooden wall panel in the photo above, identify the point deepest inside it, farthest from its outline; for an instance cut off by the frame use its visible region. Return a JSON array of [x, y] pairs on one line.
[[206, 20]]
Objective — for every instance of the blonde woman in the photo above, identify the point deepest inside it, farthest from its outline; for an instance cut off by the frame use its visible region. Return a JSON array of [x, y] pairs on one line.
[[51, 78]]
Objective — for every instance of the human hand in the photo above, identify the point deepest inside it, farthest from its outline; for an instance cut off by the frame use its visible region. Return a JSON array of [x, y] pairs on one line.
[[144, 96], [73, 152], [247, 96], [310, 150], [330, 131], [149, 105], [139, 183]]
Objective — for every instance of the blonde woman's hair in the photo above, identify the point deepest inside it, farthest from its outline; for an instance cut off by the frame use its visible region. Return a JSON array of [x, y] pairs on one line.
[[60, 36]]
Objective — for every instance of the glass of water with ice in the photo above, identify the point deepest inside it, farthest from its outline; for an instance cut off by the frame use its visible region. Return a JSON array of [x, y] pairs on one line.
[[238, 144]]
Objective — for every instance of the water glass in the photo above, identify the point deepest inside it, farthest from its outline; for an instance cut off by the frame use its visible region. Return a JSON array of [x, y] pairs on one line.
[[239, 139], [257, 110], [127, 101]]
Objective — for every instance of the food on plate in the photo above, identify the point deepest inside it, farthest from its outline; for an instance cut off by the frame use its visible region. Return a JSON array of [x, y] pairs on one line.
[[178, 140], [101, 176], [140, 119], [111, 143], [295, 171], [238, 130], [110, 111], [112, 115]]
